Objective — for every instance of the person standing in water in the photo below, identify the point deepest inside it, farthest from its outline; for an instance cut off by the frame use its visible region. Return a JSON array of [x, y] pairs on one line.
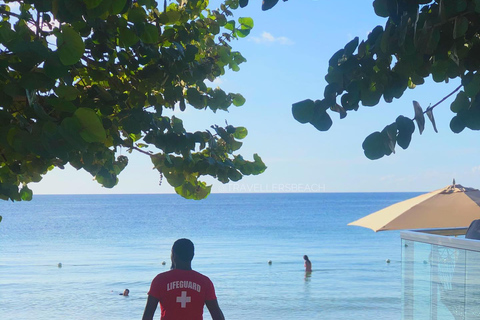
[[308, 264], [182, 292]]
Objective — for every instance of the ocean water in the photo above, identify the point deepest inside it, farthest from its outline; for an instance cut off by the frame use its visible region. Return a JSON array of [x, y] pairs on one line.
[[107, 243]]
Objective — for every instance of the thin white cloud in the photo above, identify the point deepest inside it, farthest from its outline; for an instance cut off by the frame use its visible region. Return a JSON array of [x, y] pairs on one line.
[[388, 177], [267, 37]]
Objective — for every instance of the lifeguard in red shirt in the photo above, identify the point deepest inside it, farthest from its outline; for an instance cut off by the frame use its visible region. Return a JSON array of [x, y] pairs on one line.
[[182, 292]]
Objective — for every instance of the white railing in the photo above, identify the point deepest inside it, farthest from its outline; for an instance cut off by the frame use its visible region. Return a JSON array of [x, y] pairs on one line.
[[440, 275]]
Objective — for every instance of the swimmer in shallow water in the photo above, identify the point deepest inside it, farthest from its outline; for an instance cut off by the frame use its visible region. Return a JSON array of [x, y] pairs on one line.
[[125, 293], [308, 264]]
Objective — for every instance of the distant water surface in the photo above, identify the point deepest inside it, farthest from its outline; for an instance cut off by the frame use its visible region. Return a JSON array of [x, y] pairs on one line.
[[107, 243]]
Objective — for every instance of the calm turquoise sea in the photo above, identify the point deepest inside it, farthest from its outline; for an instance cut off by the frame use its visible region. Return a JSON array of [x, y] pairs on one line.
[[107, 243]]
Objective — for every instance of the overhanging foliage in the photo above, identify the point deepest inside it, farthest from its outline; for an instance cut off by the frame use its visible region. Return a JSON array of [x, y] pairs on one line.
[[421, 38], [81, 79]]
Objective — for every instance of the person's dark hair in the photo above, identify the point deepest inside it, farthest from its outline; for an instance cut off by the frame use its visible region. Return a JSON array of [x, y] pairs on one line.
[[305, 257], [184, 249]]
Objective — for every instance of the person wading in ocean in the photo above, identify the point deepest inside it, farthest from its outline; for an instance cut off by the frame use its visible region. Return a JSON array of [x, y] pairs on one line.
[[182, 292], [308, 264]]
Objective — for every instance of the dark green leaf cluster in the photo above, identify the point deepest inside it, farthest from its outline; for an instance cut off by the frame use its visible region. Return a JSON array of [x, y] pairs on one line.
[[421, 38], [379, 144], [80, 79]]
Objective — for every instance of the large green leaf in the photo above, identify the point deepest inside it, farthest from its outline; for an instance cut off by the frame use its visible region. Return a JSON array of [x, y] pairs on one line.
[[472, 119], [242, 33], [106, 178], [381, 7], [54, 68], [117, 6], [471, 84], [374, 146], [26, 194], [92, 128], [321, 120], [70, 45], [371, 93], [92, 3], [137, 15], [150, 34], [477, 6], [240, 133], [246, 23], [457, 124], [197, 191], [177, 125], [461, 102], [258, 165], [303, 111], [36, 80], [351, 47], [230, 25], [127, 37], [460, 27], [68, 93], [439, 70], [196, 99], [390, 138], [70, 130], [61, 105], [237, 99], [405, 127], [173, 178], [268, 4]]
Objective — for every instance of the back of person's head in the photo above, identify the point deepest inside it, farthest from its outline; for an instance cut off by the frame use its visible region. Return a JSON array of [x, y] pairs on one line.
[[184, 249], [305, 257]]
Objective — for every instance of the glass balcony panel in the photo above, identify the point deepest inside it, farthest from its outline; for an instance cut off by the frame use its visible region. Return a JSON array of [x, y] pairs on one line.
[[472, 287], [440, 277]]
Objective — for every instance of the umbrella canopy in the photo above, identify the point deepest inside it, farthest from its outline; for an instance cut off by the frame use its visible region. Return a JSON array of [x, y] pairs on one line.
[[451, 207]]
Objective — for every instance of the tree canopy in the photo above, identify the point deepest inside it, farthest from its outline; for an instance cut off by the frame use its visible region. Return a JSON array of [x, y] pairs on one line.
[[421, 39], [81, 80]]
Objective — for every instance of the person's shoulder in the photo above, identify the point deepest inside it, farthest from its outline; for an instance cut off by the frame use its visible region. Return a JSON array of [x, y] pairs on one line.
[[165, 274], [200, 275], [197, 273]]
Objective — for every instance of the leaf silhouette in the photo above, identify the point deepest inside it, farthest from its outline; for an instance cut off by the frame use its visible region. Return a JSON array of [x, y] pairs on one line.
[[432, 119], [419, 117], [268, 4]]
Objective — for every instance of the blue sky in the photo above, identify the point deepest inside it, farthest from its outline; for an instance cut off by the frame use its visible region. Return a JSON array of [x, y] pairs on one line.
[[287, 56]]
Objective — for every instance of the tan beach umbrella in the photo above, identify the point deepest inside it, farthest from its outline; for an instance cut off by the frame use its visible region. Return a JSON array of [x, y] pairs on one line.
[[451, 207]]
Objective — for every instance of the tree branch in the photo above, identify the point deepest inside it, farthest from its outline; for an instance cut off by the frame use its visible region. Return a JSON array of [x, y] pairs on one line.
[[141, 151], [444, 98], [8, 13], [37, 31]]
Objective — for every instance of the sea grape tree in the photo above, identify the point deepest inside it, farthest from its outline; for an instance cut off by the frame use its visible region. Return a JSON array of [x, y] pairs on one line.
[[82, 79], [421, 39]]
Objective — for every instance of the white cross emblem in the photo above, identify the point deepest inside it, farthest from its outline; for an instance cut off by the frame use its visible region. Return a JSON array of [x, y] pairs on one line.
[[183, 299]]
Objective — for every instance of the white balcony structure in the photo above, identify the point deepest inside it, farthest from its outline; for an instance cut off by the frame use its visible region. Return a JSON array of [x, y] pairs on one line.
[[440, 275]]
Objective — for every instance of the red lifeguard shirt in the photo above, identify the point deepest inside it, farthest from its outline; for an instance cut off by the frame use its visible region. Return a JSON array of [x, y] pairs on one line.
[[182, 294]]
